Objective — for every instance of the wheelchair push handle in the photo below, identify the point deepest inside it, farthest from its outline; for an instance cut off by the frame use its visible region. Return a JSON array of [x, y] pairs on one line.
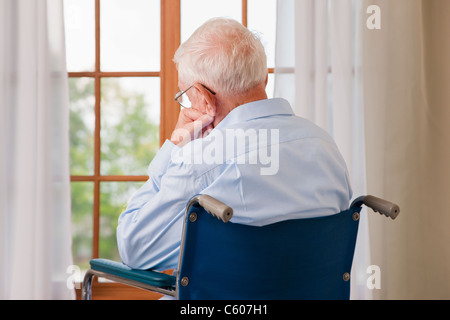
[[216, 207], [382, 206], [387, 208]]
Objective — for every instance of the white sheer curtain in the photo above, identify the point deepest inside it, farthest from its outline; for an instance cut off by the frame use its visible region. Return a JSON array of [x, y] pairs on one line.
[[407, 103], [35, 240], [318, 69]]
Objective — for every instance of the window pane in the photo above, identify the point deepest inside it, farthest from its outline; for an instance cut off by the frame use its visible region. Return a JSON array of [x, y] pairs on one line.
[[195, 12], [82, 123], [262, 19], [130, 35], [113, 201], [82, 210], [130, 115], [79, 20]]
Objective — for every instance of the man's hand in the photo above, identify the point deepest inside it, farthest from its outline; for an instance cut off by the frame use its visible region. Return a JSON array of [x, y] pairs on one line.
[[192, 124]]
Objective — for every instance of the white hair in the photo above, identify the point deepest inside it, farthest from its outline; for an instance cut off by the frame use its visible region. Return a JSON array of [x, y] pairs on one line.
[[223, 55]]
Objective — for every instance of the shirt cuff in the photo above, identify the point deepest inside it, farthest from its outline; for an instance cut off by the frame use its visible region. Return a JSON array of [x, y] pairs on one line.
[[161, 161]]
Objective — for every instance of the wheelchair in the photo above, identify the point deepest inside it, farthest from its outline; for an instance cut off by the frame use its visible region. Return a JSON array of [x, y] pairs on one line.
[[301, 259]]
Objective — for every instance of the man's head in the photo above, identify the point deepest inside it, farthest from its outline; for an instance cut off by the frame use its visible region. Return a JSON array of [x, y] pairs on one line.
[[224, 56], [220, 67]]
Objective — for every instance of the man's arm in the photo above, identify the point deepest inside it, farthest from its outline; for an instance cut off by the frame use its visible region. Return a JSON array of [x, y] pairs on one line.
[[149, 230]]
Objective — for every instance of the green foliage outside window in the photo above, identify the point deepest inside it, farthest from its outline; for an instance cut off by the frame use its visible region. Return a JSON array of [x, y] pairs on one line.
[[129, 141]]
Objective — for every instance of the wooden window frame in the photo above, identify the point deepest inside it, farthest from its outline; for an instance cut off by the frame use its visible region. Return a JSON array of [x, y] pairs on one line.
[[170, 40]]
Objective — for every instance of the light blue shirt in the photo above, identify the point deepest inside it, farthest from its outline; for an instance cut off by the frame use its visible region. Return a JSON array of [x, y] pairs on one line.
[[266, 163]]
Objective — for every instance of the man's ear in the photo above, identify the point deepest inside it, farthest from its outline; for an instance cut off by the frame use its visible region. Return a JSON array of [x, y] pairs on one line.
[[208, 99]]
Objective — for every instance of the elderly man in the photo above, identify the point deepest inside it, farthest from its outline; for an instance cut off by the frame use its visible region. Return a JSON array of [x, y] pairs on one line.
[[234, 144]]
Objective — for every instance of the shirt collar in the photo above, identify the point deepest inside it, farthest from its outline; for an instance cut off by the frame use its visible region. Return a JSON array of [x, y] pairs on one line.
[[257, 109]]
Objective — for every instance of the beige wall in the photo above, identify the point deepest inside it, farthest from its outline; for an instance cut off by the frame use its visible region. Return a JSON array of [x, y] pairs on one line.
[[407, 107], [437, 169]]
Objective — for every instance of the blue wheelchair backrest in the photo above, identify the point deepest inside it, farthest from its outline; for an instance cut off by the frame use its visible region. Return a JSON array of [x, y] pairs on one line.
[[292, 259]]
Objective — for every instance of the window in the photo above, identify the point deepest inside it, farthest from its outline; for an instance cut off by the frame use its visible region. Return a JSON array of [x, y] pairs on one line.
[[122, 81]]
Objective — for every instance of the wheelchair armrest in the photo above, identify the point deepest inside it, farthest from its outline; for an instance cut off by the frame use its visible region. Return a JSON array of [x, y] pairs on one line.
[[148, 277], [382, 206], [215, 207]]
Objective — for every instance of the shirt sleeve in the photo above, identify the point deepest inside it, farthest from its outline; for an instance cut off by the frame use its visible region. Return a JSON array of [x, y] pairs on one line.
[[149, 230]]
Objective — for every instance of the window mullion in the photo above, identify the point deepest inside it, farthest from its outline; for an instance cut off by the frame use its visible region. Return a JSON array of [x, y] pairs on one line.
[[170, 40], [97, 142], [244, 13]]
